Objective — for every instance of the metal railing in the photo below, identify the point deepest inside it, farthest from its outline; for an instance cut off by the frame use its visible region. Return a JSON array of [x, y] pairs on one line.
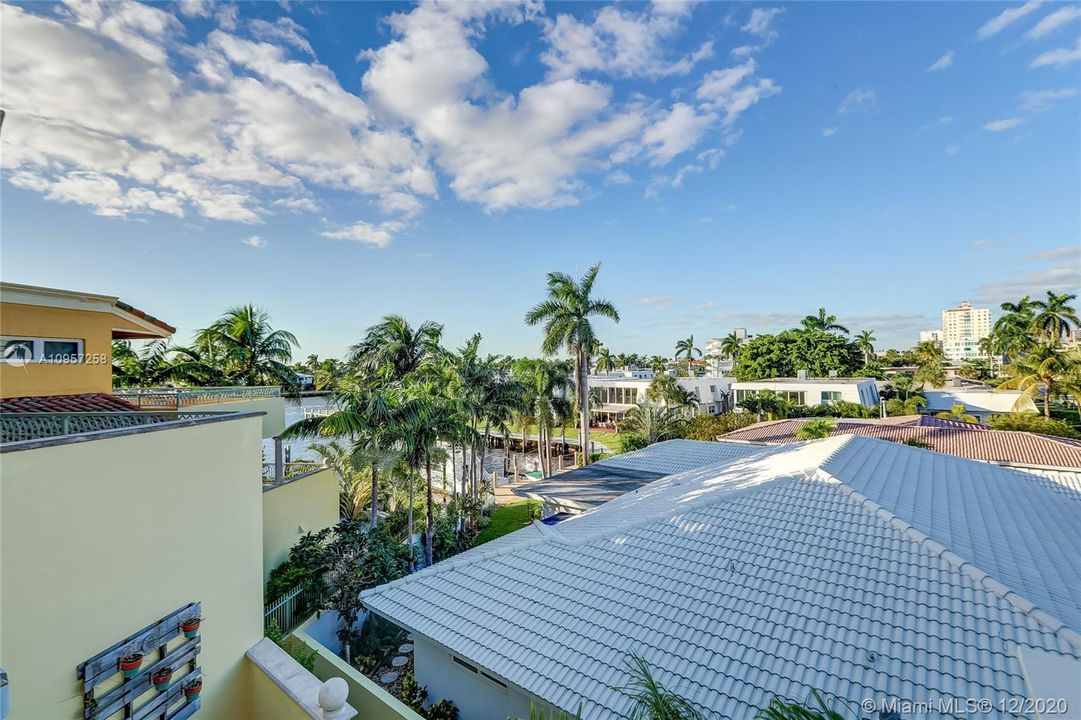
[[16, 427], [292, 608], [291, 470], [166, 397]]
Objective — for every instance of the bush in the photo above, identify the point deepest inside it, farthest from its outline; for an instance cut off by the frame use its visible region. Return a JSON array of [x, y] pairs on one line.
[[1032, 422], [414, 695], [296, 649], [629, 442], [709, 427]]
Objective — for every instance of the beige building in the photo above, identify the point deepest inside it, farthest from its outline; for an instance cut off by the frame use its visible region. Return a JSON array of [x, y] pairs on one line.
[[962, 329]]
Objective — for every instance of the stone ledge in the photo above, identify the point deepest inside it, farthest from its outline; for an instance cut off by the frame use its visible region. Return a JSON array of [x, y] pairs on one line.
[[300, 685]]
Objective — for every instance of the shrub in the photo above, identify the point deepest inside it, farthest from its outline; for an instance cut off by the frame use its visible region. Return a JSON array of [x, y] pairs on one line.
[[414, 695], [1032, 422], [629, 442], [709, 427], [296, 649], [815, 429]]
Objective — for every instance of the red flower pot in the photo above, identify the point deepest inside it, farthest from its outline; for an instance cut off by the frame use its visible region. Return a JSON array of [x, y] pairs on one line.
[[192, 690], [130, 664], [191, 627], [162, 679]]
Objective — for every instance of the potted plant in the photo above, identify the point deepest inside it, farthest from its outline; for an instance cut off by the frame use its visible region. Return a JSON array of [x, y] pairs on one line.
[[190, 626], [191, 689], [130, 662], [162, 679]]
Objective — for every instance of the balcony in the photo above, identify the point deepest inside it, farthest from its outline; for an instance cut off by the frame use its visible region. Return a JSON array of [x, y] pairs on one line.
[[170, 398], [22, 427]]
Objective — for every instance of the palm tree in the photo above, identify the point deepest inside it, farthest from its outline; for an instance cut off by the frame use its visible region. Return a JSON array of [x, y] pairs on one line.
[[566, 314], [904, 384], [823, 322], [656, 363], [957, 412], [666, 389], [816, 428], [1012, 333], [1054, 317], [545, 401], [651, 700], [930, 361], [1045, 371], [653, 423], [353, 488], [605, 360], [395, 348], [686, 348], [254, 352], [731, 346], [865, 342]]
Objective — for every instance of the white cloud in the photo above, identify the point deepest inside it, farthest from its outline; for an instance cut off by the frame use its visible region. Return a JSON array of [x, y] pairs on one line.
[[617, 178], [621, 42], [760, 22], [379, 234], [1059, 57], [983, 243], [1057, 270], [678, 130], [1002, 124], [953, 150], [254, 241], [940, 122], [284, 29], [100, 115], [858, 101], [942, 63], [733, 90], [661, 303], [829, 132], [1006, 18], [1054, 20], [1041, 100]]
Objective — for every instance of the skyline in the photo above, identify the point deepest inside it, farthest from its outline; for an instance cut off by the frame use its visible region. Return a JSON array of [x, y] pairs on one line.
[[730, 165]]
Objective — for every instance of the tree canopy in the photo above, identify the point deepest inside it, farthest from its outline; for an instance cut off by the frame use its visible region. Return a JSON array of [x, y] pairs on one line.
[[781, 355]]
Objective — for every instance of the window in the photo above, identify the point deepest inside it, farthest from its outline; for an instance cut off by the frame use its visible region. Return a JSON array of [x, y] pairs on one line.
[[51, 350], [829, 396]]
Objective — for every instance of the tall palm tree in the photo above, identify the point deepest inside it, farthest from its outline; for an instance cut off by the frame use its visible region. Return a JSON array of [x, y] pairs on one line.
[[605, 360], [666, 389], [546, 401], [1055, 317], [1012, 333], [1045, 371], [687, 349], [254, 352], [395, 348], [930, 361], [566, 314], [823, 322], [731, 346], [904, 384], [865, 341], [656, 363]]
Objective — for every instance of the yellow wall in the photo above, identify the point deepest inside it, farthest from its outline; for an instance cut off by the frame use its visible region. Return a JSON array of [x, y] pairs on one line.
[[99, 539], [95, 329], [290, 510], [268, 701]]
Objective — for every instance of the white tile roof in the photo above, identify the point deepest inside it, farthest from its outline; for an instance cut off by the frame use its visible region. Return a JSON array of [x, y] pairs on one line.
[[850, 565], [675, 456]]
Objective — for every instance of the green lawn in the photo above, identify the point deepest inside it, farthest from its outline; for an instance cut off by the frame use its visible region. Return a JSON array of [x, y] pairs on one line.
[[508, 518]]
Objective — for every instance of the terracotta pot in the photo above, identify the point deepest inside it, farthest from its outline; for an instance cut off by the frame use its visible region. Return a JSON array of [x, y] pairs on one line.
[[191, 692], [191, 629], [130, 664], [162, 679]]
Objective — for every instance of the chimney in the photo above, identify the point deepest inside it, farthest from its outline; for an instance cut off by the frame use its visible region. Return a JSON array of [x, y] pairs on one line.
[[801, 374]]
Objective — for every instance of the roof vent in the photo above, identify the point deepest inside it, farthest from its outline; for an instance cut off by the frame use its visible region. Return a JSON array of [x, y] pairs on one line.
[[801, 374], [833, 373]]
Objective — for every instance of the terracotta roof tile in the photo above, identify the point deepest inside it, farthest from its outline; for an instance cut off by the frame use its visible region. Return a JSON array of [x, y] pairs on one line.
[[975, 442], [86, 402]]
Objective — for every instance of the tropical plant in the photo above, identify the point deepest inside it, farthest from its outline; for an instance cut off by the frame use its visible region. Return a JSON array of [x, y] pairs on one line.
[[1034, 423], [731, 345], [666, 389], [1012, 332], [653, 423], [766, 403], [605, 360], [393, 348], [687, 349], [823, 322], [816, 428], [1054, 317], [249, 349], [354, 489], [545, 401], [865, 342], [783, 709], [652, 701], [930, 363], [904, 384], [566, 314], [1045, 371], [957, 412], [896, 406], [710, 427]]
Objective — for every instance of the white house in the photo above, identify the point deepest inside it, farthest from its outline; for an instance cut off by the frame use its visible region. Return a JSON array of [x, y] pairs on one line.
[[982, 402], [618, 392], [859, 568], [803, 390]]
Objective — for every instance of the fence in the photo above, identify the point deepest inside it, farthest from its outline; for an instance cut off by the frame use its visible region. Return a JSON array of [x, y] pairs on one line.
[[185, 397], [292, 608], [290, 470], [15, 427]]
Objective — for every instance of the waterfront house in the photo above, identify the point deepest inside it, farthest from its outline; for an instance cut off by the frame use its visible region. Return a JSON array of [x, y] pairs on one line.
[[805, 390], [619, 391], [864, 569]]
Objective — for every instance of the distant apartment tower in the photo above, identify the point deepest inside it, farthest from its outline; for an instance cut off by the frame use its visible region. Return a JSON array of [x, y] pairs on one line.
[[931, 336], [719, 363], [962, 329]]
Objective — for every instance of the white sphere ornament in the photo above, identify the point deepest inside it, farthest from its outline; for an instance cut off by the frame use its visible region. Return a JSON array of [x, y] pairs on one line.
[[332, 697]]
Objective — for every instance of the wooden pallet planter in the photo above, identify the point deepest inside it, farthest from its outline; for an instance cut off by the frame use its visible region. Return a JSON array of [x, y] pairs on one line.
[[152, 641]]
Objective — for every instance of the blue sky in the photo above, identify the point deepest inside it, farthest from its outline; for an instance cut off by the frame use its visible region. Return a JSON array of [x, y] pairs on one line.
[[730, 164]]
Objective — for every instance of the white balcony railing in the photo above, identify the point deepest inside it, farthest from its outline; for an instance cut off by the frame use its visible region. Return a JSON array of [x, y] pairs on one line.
[[176, 398]]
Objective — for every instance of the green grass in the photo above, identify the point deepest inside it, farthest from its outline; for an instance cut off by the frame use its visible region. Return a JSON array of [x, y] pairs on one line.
[[508, 518]]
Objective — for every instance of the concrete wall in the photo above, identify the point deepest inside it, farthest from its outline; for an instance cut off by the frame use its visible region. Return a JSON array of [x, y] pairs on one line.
[[370, 701], [268, 701], [477, 697], [850, 391], [307, 503], [274, 407], [95, 329], [99, 539]]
